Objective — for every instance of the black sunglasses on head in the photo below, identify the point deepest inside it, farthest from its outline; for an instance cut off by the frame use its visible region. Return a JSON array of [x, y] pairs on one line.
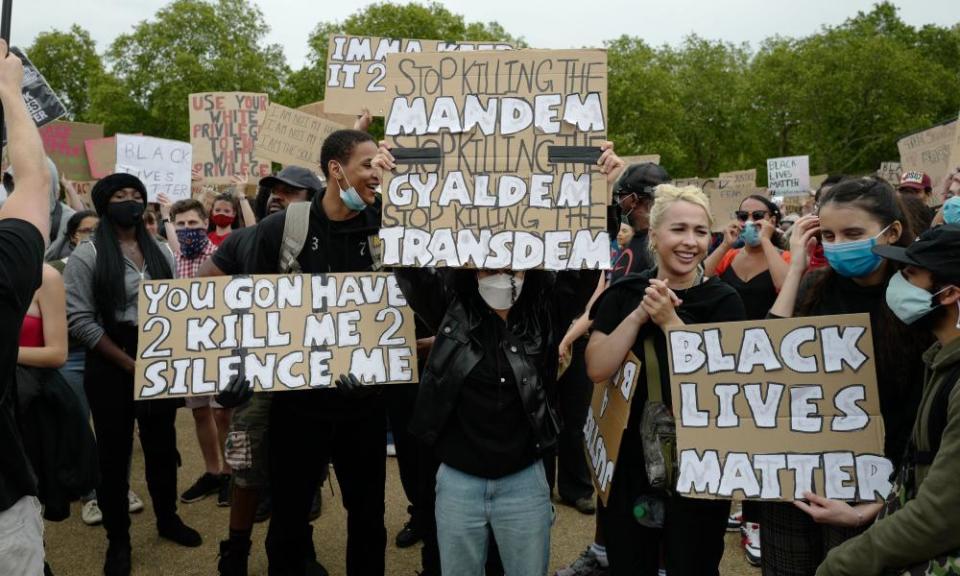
[[743, 215]]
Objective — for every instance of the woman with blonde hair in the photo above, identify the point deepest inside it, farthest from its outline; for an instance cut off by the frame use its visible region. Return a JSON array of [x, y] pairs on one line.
[[633, 315]]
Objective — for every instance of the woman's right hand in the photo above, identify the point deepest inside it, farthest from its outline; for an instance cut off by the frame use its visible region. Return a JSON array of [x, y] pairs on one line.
[[803, 237], [731, 234]]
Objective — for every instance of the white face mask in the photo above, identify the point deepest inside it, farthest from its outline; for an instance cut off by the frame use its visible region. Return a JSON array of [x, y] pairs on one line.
[[500, 291]]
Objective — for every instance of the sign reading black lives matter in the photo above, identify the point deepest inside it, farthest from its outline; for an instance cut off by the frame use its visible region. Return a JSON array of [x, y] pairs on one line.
[[769, 410], [497, 167], [286, 333]]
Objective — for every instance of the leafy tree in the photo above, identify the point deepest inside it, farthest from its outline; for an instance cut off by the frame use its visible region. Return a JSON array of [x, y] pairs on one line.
[[70, 63], [189, 46], [426, 22]]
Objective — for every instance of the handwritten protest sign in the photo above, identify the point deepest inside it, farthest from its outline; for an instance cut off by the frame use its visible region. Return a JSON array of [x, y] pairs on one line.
[[317, 109], [290, 136], [789, 176], [890, 171], [42, 102], [642, 159], [497, 160], [357, 70], [767, 410], [83, 190], [162, 165], [929, 151], [607, 418], [223, 128], [287, 332], [727, 192], [954, 162], [63, 143]]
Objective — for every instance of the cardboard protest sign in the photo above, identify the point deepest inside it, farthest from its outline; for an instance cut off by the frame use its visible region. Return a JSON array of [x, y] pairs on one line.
[[42, 102], [497, 160], [727, 192], [766, 410], [101, 156], [789, 176], [223, 128], [317, 109], [63, 143], [162, 165], [642, 159], [357, 70], [929, 151], [607, 418], [285, 332], [954, 162], [83, 192], [694, 181], [290, 136], [890, 171]]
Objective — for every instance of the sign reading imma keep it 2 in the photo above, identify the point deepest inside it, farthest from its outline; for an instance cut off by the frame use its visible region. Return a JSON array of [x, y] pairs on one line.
[[769, 410], [285, 332], [497, 160]]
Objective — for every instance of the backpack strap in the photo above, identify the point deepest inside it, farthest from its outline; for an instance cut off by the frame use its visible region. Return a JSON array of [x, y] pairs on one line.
[[654, 386], [937, 422], [296, 224]]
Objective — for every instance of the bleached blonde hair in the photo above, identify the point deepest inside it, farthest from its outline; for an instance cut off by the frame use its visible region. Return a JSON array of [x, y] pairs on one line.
[[667, 195]]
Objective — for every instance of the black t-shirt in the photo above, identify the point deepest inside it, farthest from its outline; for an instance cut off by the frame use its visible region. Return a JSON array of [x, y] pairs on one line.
[[235, 252], [708, 302], [488, 434], [21, 268], [758, 293], [633, 259]]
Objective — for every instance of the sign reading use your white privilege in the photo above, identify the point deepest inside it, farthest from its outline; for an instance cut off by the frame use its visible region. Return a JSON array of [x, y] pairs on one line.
[[768, 410], [285, 332], [497, 160]]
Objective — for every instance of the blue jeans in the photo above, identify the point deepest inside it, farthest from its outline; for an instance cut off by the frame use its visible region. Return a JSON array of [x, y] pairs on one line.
[[72, 372], [516, 507]]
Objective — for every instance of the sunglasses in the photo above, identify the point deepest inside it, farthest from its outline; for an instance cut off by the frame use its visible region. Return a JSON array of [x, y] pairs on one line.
[[743, 215]]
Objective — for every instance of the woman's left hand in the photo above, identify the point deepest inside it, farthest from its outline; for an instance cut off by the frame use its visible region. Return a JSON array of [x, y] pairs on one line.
[[660, 302], [826, 511]]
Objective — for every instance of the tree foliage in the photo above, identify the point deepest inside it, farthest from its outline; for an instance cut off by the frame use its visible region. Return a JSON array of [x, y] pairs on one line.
[[843, 95]]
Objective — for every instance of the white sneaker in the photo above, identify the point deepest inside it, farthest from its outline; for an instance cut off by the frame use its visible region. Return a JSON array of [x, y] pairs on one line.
[[391, 449], [734, 521], [134, 502], [751, 542], [91, 514]]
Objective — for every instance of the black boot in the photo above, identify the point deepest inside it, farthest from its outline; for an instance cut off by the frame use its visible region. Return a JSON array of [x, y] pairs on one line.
[[233, 558], [175, 530], [118, 559]]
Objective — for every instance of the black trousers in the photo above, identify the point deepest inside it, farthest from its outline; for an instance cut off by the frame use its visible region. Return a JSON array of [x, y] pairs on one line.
[[568, 466], [400, 400], [110, 394], [300, 435]]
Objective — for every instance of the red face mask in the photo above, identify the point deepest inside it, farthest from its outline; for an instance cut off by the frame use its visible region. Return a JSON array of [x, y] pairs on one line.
[[222, 220]]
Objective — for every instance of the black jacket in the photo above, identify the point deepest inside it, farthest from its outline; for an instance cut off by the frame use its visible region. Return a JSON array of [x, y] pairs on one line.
[[57, 438], [448, 302]]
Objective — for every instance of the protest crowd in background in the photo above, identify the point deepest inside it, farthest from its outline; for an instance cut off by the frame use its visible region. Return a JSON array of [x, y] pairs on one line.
[[484, 287]]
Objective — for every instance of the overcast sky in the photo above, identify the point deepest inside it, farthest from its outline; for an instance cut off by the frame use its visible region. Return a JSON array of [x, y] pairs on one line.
[[543, 23]]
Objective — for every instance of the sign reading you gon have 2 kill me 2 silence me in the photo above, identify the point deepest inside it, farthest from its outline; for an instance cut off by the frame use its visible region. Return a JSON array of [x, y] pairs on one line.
[[356, 68], [772, 409], [284, 332], [497, 160]]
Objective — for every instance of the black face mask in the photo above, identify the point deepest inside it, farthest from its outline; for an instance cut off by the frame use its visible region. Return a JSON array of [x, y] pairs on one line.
[[125, 214]]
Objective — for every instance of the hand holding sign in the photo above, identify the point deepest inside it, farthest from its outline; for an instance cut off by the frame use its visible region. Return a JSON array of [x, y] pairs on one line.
[[11, 73]]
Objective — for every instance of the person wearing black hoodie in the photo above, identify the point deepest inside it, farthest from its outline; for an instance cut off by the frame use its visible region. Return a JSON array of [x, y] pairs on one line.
[[342, 237]]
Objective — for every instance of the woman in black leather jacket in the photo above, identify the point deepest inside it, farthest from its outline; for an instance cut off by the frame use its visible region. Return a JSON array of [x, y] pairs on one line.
[[483, 405]]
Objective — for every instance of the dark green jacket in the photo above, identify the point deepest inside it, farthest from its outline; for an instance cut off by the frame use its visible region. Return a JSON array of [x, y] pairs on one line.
[[929, 525]]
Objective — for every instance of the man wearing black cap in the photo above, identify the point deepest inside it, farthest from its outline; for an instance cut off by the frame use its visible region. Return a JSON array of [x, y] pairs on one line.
[[24, 223], [919, 529], [634, 194], [341, 237]]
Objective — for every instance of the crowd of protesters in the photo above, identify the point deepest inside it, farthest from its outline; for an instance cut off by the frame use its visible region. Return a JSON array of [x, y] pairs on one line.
[[492, 427]]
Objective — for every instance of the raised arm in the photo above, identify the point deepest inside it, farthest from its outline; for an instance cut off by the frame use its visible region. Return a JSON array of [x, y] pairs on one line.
[[730, 235], [31, 201], [803, 235], [239, 184]]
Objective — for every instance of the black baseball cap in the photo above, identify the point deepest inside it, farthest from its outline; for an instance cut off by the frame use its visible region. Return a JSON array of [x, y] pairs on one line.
[[936, 250], [295, 177], [641, 179]]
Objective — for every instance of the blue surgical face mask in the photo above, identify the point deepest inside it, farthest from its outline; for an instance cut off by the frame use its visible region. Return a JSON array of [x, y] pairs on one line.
[[951, 210], [908, 301], [351, 198], [853, 259], [750, 234]]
